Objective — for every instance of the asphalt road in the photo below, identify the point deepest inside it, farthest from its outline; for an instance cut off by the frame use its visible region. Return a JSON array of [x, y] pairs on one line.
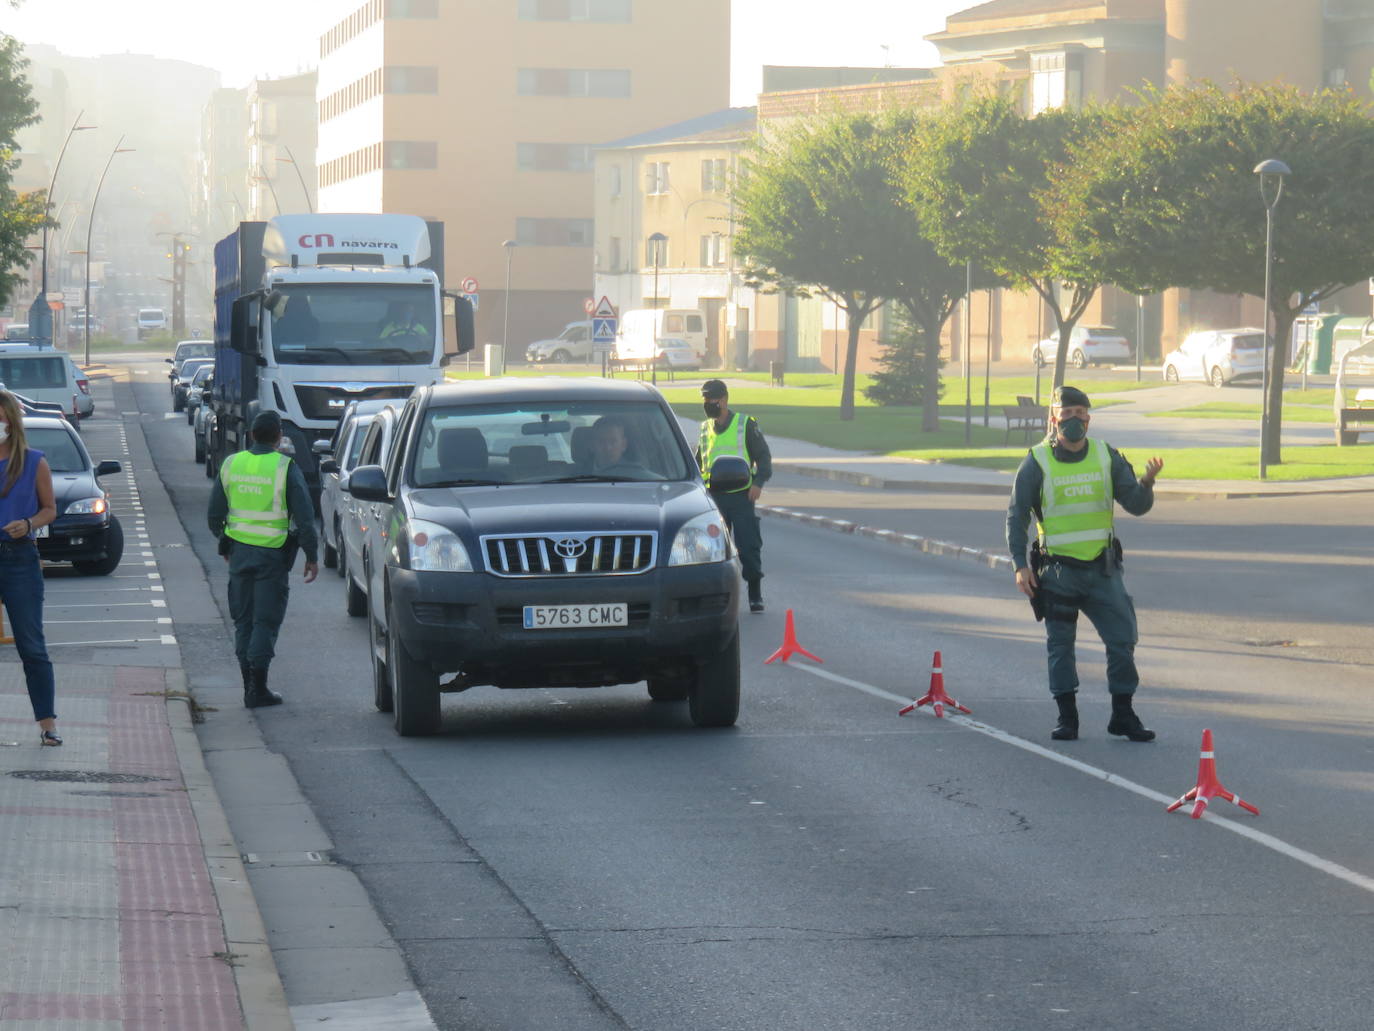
[[587, 860]]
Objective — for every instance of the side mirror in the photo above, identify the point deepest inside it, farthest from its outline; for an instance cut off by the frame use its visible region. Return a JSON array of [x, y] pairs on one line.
[[169, 361], [322, 447], [108, 466], [329, 466], [729, 473], [464, 327], [243, 330], [368, 483]]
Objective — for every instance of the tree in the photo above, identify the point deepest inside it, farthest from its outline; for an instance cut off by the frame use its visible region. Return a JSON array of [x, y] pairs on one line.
[[978, 179], [1169, 198], [21, 215]]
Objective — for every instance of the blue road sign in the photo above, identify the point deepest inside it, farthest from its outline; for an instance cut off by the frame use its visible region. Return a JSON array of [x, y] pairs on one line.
[[603, 330]]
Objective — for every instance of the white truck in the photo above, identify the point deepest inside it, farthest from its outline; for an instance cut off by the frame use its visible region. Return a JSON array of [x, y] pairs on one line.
[[315, 311]]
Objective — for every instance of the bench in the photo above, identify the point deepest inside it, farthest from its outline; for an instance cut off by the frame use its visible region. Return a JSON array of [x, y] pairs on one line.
[[1353, 422], [1027, 416]]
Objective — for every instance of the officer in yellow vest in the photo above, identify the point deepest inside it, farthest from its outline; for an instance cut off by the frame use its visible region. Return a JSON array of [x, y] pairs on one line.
[[729, 433], [260, 508], [1069, 485]]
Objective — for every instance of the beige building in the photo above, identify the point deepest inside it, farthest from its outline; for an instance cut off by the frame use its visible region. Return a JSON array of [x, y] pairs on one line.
[[486, 117], [280, 146]]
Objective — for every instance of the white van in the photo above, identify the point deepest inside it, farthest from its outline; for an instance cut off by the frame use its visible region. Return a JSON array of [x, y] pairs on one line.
[[151, 320], [642, 329], [42, 375]]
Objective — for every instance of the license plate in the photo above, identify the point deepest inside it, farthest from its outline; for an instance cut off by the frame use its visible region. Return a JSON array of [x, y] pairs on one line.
[[40, 531], [574, 617]]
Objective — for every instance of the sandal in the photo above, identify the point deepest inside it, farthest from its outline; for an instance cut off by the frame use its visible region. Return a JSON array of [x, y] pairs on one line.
[[48, 738]]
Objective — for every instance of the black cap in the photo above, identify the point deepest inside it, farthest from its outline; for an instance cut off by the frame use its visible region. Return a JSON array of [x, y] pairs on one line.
[[1070, 397], [713, 388], [266, 421]]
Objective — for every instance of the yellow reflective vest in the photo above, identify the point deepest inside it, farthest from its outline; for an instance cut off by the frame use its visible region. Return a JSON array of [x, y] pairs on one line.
[[255, 487], [729, 441], [1075, 502]]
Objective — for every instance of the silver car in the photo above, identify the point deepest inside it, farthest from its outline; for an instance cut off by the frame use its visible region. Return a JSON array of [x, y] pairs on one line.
[[339, 456], [1217, 356], [359, 515], [1088, 345]]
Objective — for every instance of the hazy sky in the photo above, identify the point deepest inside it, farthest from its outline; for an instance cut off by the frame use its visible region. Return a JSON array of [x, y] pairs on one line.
[[279, 37]]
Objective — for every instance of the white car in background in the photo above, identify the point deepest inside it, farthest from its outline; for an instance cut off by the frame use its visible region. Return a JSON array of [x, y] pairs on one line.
[[1217, 356], [1088, 345]]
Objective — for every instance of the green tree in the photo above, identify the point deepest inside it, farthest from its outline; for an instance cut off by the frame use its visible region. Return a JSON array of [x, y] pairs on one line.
[[978, 178], [1169, 198], [21, 215]]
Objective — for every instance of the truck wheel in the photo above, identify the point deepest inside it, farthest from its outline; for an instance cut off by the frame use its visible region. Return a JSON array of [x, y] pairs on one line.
[[355, 599], [114, 551], [669, 689], [714, 699], [381, 683], [414, 688]]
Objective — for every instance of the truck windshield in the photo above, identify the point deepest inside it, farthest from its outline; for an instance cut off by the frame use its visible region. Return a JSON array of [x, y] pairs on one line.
[[354, 324]]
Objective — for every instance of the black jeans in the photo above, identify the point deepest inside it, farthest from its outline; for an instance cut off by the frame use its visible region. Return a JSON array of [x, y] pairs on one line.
[[743, 523]]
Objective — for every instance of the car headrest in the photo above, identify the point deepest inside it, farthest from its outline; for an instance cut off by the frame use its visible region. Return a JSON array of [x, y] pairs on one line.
[[462, 447], [582, 445]]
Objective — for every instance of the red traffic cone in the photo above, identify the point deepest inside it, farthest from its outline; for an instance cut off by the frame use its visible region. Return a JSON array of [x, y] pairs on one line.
[[935, 697], [790, 646], [1208, 786]]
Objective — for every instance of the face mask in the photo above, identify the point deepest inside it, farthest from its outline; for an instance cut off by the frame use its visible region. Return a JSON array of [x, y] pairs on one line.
[[711, 408], [1073, 430]]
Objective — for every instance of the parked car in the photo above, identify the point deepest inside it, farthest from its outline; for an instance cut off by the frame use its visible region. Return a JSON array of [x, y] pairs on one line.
[[186, 349], [498, 549], [200, 420], [181, 386], [85, 400], [1217, 356], [356, 524], [76, 329], [1088, 345], [17, 331], [574, 344], [641, 329], [339, 456], [45, 374], [678, 354], [86, 533], [195, 390]]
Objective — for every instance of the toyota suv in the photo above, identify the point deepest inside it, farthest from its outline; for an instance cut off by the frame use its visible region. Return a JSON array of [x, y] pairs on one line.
[[546, 533]]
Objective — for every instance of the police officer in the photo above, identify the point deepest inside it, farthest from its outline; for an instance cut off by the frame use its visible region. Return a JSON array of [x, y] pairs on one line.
[[260, 508], [1069, 484], [724, 432], [402, 322]]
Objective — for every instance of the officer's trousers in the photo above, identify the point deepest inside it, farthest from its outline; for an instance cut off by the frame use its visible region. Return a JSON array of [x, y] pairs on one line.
[[1101, 596], [258, 588], [743, 522]]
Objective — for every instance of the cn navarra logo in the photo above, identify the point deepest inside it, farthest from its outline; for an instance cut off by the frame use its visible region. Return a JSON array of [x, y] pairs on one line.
[[327, 240]]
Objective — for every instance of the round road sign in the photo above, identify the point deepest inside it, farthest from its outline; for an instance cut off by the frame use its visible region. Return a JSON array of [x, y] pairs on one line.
[[469, 285], [589, 305]]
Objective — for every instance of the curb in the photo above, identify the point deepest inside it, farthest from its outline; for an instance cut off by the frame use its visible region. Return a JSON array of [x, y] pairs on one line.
[[927, 545], [262, 999]]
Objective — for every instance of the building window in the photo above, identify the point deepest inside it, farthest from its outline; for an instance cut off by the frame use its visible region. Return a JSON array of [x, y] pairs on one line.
[[617, 257], [656, 252], [411, 79], [613, 177], [1056, 80], [573, 82], [656, 178], [575, 10], [412, 8], [410, 154], [553, 157], [553, 232], [713, 251], [713, 175]]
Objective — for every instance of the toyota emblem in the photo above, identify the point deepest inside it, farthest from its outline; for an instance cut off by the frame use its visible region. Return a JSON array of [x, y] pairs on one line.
[[569, 547]]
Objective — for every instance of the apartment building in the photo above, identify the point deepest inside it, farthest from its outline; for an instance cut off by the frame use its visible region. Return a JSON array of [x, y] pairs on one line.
[[280, 145], [485, 115]]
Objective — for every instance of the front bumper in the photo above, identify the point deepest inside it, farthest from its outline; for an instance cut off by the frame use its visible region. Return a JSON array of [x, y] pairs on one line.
[[78, 538], [472, 624]]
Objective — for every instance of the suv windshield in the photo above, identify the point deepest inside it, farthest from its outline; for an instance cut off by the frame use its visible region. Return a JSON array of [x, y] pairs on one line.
[[585, 442], [353, 324]]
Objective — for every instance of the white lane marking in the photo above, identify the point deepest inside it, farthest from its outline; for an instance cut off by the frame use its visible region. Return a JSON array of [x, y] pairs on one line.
[[99, 605], [168, 639], [102, 622], [122, 640], [158, 603], [1278, 845]]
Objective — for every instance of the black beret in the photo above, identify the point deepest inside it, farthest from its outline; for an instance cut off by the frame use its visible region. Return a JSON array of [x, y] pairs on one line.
[[713, 388], [1070, 397], [266, 420]]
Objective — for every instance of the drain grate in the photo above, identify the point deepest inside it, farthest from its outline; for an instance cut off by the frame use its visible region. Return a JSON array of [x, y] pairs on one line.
[[84, 776]]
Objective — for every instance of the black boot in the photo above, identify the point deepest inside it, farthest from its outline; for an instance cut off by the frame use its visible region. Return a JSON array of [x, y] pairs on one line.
[[258, 694], [755, 596], [1067, 727], [247, 672], [1125, 722]]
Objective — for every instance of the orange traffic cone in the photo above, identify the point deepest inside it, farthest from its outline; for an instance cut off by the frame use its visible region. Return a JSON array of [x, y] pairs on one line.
[[790, 646], [4, 637], [935, 697], [1208, 786]]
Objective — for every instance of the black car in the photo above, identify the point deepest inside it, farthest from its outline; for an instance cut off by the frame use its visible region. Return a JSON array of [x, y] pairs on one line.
[[86, 533], [181, 380], [507, 544]]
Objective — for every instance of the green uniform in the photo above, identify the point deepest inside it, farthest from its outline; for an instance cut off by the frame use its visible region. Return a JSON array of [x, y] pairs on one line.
[[742, 437]]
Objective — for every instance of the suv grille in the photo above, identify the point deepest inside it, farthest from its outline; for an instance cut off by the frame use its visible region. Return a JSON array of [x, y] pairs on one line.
[[319, 401], [570, 554]]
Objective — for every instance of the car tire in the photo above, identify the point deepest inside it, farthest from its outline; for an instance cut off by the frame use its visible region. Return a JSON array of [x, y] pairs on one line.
[[200, 449], [1170, 374], [209, 464], [190, 416], [114, 551], [331, 553], [381, 683], [342, 567], [355, 598], [1038, 358], [669, 689], [177, 403], [714, 698], [414, 688], [1217, 377], [1080, 360], [560, 356]]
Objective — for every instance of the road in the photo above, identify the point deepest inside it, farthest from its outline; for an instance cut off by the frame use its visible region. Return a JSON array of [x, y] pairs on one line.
[[587, 860]]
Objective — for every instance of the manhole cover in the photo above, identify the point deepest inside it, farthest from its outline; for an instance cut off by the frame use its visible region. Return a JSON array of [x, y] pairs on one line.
[[118, 794], [84, 776]]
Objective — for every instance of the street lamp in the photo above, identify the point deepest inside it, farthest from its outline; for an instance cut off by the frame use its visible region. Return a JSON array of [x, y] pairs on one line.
[[290, 159], [90, 222], [968, 346], [45, 321], [1271, 174], [658, 240], [263, 177], [510, 246]]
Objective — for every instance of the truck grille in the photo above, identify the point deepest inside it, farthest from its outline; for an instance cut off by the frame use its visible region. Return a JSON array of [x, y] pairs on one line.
[[570, 554], [327, 400]]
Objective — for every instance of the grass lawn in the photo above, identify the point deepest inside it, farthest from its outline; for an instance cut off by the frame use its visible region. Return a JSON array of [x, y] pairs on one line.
[[1248, 412]]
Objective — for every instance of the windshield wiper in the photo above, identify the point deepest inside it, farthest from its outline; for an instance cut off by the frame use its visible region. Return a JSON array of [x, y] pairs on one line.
[[588, 478], [314, 356], [404, 354], [463, 483]]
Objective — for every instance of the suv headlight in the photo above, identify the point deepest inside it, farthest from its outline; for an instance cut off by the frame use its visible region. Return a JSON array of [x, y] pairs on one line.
[[88, 506], [703, 539], [429, 547]]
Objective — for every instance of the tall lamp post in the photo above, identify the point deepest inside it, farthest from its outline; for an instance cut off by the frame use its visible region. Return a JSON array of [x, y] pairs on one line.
[[47, 206], [290, 159], [1271, 175], [90, 222], [510, 246], [1139, 332], [968, 346], [658, 240]]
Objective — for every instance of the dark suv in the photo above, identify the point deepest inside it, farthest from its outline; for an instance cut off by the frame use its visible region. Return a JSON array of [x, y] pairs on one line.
[[546, 533]]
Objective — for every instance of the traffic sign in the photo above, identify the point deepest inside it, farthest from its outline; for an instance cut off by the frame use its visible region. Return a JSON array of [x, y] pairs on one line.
[[605, 309], [469, 285], [55, 305], [603, 330], [589, 305]]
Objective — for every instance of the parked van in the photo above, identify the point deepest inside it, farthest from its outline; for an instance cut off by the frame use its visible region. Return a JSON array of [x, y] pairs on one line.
[[643, 328], [150, 320], [42, 374]]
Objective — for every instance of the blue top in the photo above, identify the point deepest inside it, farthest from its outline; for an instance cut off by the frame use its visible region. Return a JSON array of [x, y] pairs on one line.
[[22, 500]]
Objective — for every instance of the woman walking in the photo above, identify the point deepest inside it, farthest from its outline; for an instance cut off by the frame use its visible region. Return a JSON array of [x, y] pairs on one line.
[[26, 503]]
